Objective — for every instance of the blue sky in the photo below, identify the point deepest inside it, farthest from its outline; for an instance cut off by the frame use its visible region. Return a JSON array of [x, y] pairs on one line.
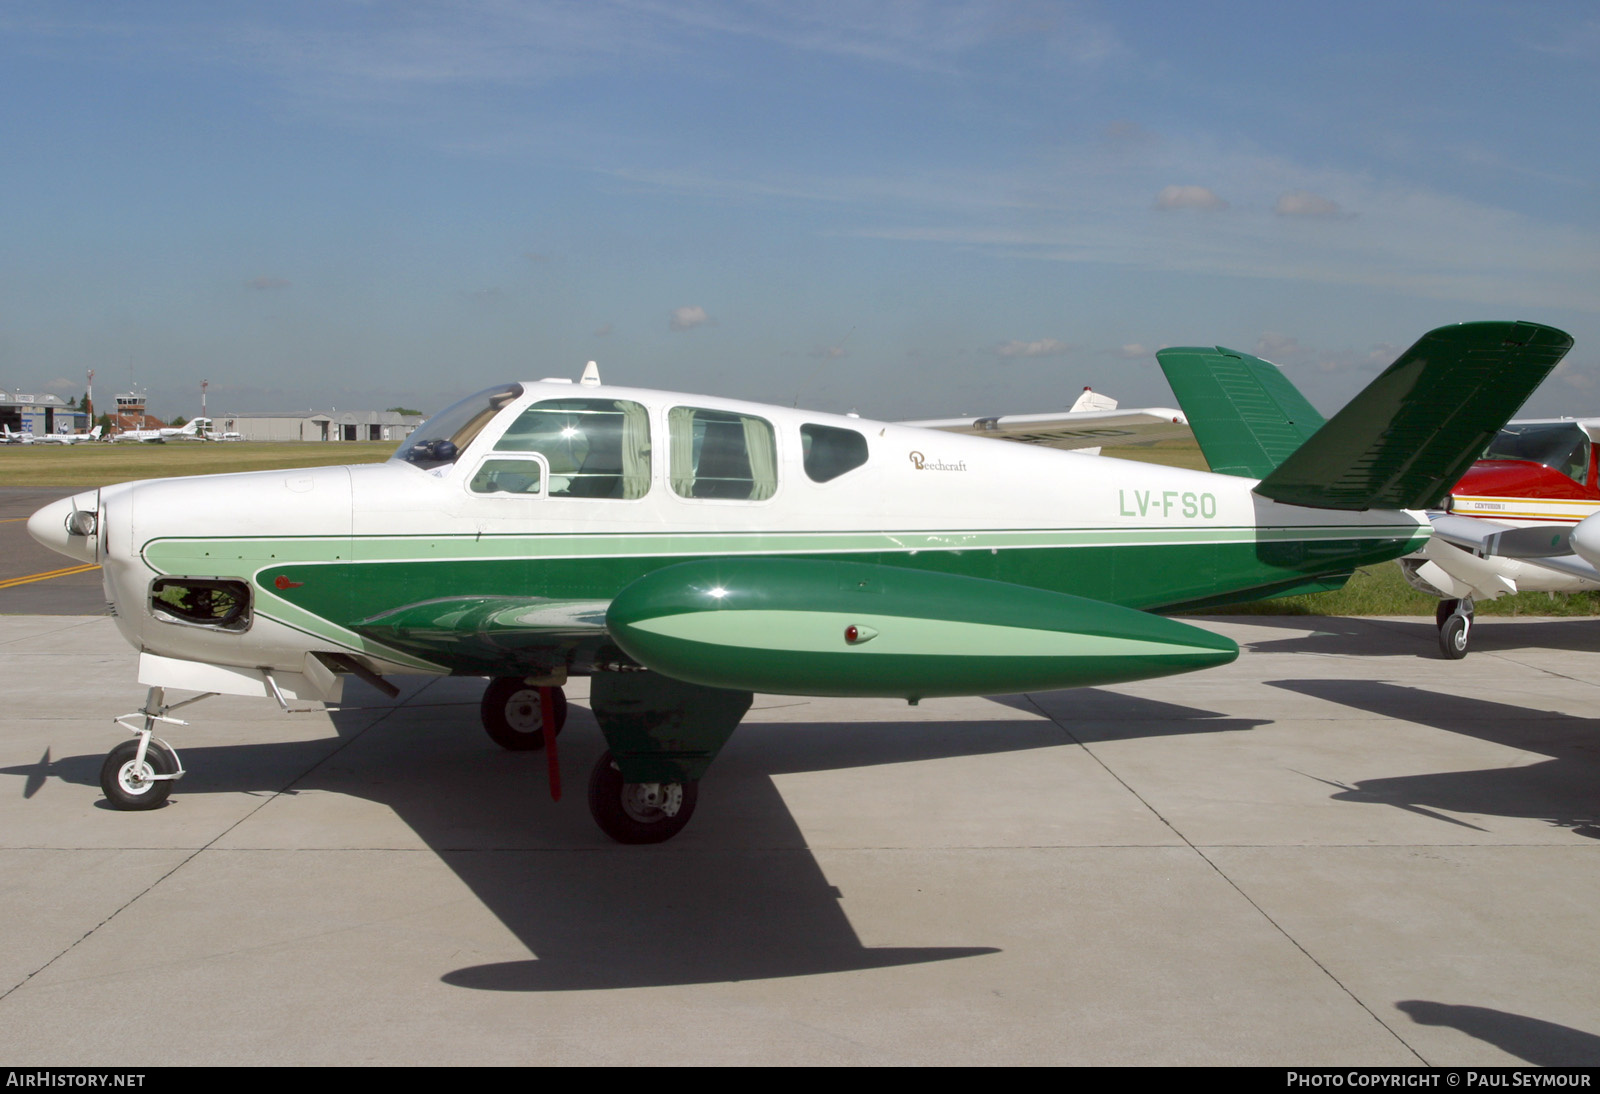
[[906, 209]]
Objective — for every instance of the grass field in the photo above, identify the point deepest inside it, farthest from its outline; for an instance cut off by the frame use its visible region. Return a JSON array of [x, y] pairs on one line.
[[1376, 590], [100, 464]]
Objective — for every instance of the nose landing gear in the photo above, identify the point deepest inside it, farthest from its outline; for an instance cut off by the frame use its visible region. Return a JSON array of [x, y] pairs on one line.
[[139, 774]]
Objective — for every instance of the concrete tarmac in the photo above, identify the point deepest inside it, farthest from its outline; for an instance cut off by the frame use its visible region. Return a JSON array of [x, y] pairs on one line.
[[1339, 850]]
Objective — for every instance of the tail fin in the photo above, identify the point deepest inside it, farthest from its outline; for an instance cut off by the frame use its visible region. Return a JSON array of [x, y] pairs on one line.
[[1400, 444], [1246, 415]]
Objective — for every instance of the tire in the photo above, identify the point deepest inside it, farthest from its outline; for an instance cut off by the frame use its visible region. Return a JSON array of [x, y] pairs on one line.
[[621, 814], [513, 717], [1453, 638], [1444, 611], [129, 789]]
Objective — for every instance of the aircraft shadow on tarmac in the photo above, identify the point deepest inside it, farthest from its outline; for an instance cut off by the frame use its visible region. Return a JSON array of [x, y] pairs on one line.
[[1091, 715], [1418, 637], [739, 896], [1563, 791], [1541, 1043]]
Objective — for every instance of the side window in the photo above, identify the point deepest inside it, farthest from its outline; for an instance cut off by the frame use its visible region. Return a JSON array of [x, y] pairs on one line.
[[716, 454], [517, 475], [830, 452], [592, 448]]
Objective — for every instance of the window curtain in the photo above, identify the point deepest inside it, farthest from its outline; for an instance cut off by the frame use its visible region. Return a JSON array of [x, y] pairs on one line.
[[680, 468], [763, 458], [635, 450]]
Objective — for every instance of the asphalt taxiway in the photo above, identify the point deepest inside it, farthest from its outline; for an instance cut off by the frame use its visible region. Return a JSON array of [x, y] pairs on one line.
[[1338, 850], [34, 579]]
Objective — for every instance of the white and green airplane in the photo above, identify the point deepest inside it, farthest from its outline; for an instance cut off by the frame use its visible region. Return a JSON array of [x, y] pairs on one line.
[[685, 552]]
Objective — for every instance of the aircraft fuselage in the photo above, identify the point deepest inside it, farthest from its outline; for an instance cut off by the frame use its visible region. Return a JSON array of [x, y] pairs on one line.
[[326, 553]]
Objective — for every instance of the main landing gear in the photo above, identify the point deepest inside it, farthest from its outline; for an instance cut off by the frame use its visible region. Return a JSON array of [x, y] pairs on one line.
[[660, 803], [1454, 619], [513, 713], [639, 812], [139, 774]]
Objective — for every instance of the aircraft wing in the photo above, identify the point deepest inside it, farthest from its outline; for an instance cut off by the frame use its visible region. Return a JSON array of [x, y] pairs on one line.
[[1543, 545], [486, 633], [1491, 538], [1073, 429]]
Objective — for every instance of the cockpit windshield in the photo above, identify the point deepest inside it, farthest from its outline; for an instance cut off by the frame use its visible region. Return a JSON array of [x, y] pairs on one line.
[[443, 437], [1563, 446]]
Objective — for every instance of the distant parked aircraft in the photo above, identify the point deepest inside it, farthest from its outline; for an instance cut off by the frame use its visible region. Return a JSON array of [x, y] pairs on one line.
[[161, 436], [69, 438]]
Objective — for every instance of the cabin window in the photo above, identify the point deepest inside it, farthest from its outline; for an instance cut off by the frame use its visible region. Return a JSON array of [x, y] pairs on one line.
[[201, 602], [593, 448], [517, 475], [442, 438], [830, 452], [717, 454], [1563, 446]]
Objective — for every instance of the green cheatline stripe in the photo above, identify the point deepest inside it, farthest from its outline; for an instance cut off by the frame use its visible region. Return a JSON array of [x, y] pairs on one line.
[[228, 558], [284, 550], [823, 632]]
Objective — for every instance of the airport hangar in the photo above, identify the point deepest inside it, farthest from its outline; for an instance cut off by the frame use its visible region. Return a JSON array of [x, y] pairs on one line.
[[349, 425], [39, 414]]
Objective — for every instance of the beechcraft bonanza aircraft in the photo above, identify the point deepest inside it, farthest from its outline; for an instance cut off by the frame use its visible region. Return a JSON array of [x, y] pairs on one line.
[[685, 552]]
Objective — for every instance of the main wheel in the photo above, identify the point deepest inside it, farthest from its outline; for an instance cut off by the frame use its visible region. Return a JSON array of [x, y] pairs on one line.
[[128, 785], [513, 716], [638, 812], [1453, 638], [1444, 610]]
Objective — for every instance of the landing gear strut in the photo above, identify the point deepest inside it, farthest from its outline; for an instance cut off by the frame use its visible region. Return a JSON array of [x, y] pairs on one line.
[[139, 774], [1454, 619]]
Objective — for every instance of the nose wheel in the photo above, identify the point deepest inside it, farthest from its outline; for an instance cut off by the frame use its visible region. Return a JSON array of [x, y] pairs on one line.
[[512, 714], [638, 812], [131, 781]]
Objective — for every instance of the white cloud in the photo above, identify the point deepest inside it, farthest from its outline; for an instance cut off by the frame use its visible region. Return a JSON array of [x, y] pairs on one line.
[[1569, 373], [1303, 203], [1277, 347], [687, 318], [1045, 347], [1383, 354], [1132, 351], [1188, 197]]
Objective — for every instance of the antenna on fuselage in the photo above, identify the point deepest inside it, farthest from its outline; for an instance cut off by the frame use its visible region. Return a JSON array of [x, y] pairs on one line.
[[591, 375]]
